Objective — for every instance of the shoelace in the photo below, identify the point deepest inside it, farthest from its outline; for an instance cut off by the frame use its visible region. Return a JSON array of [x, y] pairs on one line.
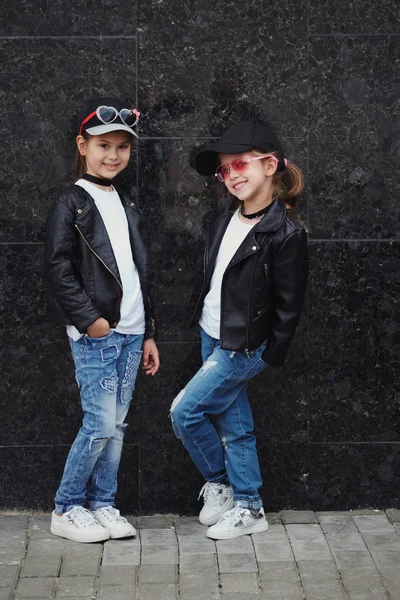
[[81, 515], [210, 491], [113, 514], [235, 514]]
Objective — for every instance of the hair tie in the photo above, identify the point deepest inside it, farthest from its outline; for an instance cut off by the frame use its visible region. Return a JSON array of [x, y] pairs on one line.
[[285, 161]]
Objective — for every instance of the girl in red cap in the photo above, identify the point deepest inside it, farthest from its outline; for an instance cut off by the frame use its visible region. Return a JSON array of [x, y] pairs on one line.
[[254, 281], [96, 267]]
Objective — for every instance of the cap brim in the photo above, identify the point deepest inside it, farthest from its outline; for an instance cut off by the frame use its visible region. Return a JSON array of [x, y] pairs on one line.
[[206, 161], [101, 129]]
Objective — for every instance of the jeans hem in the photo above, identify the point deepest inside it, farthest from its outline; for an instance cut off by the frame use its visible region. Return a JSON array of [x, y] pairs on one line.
[[255, 503]]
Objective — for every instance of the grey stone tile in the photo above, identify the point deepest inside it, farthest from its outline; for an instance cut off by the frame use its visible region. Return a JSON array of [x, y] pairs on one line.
[[81, 559], [323, 590], [156, 522], [16, 521], [6, 593], [119, 575], [75, 586], [156, 591], [273, 518], [117, 592], [278, 571], [392, 581], [42, 566], [196, 544], [163, 574], [239, 583], [282, 590], [385, 548], [190, 526], [154, 555], [40, 526], [275, 533], [346, 541], [8, 575], [194, 585], [337, 524], [318, 569], [393, 514], [363, 581], [39, 587], [311, 550], [124, 552], [373, 523], [12, 546], [242, 596], [158, 537], [298, 516], [199, 563], [353, 559], [275, 552], [235, 546], [237, 563]]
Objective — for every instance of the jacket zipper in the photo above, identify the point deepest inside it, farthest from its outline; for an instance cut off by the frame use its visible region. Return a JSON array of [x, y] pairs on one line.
[[205, 260], [103, 263]]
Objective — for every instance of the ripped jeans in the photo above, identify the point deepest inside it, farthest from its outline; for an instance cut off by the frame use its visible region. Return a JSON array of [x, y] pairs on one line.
[[213, 419], [106, 370]]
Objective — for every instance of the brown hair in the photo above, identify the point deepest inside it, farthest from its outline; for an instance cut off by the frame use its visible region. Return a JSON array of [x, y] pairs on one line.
[[80, 161], [286, 184]]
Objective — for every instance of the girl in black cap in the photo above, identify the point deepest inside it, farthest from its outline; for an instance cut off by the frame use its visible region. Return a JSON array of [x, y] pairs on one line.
[[255, 274], [96, 266]]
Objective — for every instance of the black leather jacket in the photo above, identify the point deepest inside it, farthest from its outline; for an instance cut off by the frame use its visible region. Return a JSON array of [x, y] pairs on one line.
[[263, 286], [80, 266]]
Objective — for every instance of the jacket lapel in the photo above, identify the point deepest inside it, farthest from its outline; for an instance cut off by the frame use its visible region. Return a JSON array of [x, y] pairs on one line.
[[91, 227]]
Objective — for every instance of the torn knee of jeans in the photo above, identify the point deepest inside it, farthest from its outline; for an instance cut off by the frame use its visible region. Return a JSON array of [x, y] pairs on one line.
[[109, 384], [176, 401], [232, 354], [208, 365], [101, 441]]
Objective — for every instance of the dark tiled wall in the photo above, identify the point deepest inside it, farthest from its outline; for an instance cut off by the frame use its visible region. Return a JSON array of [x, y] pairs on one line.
[[327, 75]]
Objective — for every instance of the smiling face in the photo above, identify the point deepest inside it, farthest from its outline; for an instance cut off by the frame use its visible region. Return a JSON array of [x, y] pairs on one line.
[[255, 183], [105, 155]]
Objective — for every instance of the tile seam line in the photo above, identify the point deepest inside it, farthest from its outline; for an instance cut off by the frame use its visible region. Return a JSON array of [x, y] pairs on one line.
[[353, 35], [67, 37]]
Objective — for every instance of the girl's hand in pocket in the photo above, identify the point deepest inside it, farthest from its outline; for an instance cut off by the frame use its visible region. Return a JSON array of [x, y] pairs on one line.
[[151, 359]]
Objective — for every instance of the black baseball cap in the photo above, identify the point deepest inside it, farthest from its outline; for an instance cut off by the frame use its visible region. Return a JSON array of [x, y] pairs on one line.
[[96, 127], [241, 137]]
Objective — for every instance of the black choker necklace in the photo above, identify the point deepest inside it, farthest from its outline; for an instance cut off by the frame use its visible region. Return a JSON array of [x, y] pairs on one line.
[[260, 213], [97, 180]]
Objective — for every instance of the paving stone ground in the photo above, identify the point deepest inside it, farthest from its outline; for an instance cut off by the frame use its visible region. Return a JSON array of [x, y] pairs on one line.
[[303, 556]]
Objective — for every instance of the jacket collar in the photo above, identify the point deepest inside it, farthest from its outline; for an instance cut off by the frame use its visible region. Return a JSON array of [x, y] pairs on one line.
[[271, 221]]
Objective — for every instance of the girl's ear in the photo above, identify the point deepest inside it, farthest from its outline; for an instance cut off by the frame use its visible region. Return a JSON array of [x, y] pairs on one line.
[[270, 166], [81, 144]]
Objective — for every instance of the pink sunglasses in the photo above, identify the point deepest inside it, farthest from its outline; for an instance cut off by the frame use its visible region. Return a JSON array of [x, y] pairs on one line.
[[239, 165]]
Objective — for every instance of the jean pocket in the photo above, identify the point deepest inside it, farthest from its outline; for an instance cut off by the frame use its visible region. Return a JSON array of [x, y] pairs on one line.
[[255, 369], [131, 369], [98, 339]]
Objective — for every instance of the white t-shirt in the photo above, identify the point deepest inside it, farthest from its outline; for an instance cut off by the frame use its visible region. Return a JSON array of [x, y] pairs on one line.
[[112, 212], [233, 237]]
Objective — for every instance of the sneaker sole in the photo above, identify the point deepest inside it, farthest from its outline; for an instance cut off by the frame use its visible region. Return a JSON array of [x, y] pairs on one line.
[[88, 540], [120, 537], [209, 522], [229, 535]]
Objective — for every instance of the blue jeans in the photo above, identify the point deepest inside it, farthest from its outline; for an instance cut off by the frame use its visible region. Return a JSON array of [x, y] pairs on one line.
[[106, 370], [213, 419]]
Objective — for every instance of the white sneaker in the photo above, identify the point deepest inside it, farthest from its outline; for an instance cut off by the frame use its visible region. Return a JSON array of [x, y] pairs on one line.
[[117, 526], [78, 525], [218, 498], [236, 522]]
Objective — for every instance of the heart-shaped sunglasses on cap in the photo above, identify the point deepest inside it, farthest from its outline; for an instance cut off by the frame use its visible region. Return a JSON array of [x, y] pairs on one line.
[[108, 114]]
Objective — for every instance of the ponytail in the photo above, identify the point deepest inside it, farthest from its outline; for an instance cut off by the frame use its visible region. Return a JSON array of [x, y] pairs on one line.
[[286, 184]]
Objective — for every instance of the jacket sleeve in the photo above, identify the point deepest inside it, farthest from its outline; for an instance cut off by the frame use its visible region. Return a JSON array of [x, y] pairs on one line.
[[290, 273], [61, 253]]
